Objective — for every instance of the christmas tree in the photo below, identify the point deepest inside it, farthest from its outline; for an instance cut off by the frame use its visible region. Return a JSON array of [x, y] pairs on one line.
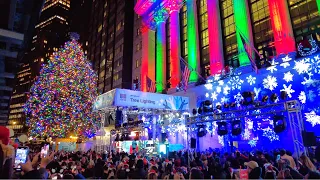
[[61, 99]]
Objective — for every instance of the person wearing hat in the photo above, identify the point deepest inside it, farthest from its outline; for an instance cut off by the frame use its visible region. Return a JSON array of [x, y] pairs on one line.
[[254, 171], [7, 154]]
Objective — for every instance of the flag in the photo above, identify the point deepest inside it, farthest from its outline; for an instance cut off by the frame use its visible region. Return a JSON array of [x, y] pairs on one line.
[[248, 48], [185, 72], [151, 86]]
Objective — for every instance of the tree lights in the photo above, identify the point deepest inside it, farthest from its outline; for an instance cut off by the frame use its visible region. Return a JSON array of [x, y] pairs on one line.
[[61, 99]]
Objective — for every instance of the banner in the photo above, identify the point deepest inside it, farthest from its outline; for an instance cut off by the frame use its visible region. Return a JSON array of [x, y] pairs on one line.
[[139, 99]]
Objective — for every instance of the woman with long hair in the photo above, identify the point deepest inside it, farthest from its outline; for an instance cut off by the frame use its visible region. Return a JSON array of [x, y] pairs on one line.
[[306, 165]]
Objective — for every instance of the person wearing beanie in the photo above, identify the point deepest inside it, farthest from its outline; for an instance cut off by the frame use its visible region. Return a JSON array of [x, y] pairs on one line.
[[7, 154]]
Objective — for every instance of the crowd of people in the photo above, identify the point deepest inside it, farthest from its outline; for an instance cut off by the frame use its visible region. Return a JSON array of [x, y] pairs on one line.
[[210, 164]]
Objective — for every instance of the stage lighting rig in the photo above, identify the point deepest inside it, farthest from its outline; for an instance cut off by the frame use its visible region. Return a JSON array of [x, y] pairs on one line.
[[194, 112], [236, 127], [265, 99], [207, 106], [222, 128], [248, 97], [199, 110], [274, 97], [283, 95], [201, 130], [279, 123]]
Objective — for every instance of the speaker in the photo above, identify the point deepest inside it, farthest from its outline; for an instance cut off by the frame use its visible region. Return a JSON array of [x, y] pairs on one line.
[[163, 137], [193, 143], [309, 139], [118, 117]]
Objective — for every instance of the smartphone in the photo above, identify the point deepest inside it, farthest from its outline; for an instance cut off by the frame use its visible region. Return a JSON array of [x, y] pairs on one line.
[[44, 150], [21, 157]]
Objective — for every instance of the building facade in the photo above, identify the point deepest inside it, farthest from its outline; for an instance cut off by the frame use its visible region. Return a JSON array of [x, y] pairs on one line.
[[111, 43], [50, 32], [208, 34], [16, 18]]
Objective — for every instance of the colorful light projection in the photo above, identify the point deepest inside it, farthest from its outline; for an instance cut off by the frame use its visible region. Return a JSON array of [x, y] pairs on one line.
[[243, 27], [193, 42], [145, 57], [160, 16], [173, 6], [281, 26], [318, 4], [215, 38]]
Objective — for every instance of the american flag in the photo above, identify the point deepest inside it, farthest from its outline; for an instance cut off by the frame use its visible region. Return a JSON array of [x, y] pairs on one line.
[[248, 48], [151, 86], [185, 72]]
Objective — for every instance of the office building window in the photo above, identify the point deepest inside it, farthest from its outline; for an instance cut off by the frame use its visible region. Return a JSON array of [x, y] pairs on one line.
[[305, 18], [138, 46], [229, 33], [203, 31], [262, 29], [137, 63], [183, 32], [138, 31]]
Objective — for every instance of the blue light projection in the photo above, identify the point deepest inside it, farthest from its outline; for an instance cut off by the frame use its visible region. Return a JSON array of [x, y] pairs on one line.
[[298, 77]]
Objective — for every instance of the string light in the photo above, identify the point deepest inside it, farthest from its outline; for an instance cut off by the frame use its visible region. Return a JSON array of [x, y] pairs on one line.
[[61, 99]]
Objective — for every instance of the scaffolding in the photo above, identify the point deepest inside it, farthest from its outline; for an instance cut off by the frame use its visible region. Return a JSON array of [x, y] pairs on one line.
[[291, 108]]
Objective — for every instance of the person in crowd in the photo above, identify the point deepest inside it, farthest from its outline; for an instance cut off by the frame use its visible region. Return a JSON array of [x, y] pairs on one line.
[[284, 155], [306, 165], [254, 171]]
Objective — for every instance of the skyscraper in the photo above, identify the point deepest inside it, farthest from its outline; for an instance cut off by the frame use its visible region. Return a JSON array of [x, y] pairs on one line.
[[50, 33], [16, 18], [111, 43]]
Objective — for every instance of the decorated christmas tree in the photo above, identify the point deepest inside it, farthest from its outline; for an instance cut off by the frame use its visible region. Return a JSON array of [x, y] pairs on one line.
[[61, 99]]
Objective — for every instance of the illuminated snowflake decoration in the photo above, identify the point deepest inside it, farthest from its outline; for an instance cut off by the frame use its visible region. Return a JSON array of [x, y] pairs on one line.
[[208, 86], [273, 66], [309, 81], [221, 83], [288, 89], [224, 100], [315, 64], [218, 89], [238, 98], [236, 82], [221, 140], [312, 118], [270, 82], [302, 97], [226, 90], [207, 95], [246, 135], [288, 76], [285, 61], [302, 66], [270, 134], [252, 143], [311, 95], [251, 80], [257, 92], [214, 96]]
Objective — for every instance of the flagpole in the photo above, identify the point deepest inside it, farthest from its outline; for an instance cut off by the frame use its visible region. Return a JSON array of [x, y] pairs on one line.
[[184, 61], [241, 34]]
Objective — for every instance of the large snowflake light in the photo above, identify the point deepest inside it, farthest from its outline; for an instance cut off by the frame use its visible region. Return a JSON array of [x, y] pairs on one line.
[[302, 66], [238, 98], [226, 90], [246, 135], [270, 134], [315, 64], [302, 97], [270, 82], [311, 95], [288, 89], [273, 66], [288, 76], [208, 86], [214, 96], [285, 61], [251, 80], [309, 81], [236, 82], [312, 118]]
